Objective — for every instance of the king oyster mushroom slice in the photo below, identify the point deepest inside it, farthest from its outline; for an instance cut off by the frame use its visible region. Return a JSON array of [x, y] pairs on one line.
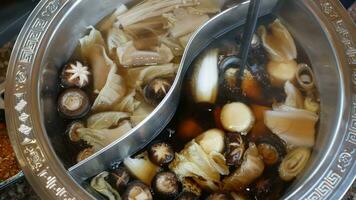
[[204, 83], [295, 126], [237, 117], [294, 163], [278, 42], [251, 168], [305, 77], [294, 97], [100, 185], [282, 71]]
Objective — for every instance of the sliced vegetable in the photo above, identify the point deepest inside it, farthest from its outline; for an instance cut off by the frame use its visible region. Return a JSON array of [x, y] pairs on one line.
[[287, 125], [251, 168], [311, 105], [108, 22], [237, 117], [150, 9], [189, 185], [94, 52], [100, 138], [141, 167], [281, 72], [128, 103], [112, 92], [294, 97], [211, 141], [106, 120], [75, 75], [188, 24], [219, 196], [207, 6], [130, 56], [205, 169], [161, 153], [271, 148], [156, 90], [89, 41], [205, 89], [166, 185], [294, 162], [119, 178], [278, 42], [116, 38], [73, 130], [73, 103], [100, 185], [137, 77], [235, 148], [137, 190]]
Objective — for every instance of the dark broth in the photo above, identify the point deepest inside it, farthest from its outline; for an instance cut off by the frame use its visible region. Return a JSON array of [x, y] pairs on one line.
[[269, 184]]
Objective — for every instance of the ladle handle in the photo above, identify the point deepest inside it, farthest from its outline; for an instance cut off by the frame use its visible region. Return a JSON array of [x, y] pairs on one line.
[[249, 30]]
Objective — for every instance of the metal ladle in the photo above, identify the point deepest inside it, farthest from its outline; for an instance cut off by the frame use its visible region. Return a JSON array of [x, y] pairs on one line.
[[248, 34]]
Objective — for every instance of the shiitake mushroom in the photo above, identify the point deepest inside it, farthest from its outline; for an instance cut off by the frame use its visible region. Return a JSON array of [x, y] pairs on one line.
[[75, 74], [73, 103], [235, 148], [187, 196], [165, 185], [161, 153], [267, 187], [220, 196], [156, 90], [229, 85], [189, 185], [72, 130], [119, 178], [85, 153], [137, 190], [271, 148]]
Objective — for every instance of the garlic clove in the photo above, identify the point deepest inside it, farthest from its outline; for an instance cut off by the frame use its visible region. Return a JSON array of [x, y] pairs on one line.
[[211, 141], [237, 117]]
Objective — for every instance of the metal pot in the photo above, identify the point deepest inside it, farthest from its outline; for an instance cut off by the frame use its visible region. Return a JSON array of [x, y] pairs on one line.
[[50, 36]]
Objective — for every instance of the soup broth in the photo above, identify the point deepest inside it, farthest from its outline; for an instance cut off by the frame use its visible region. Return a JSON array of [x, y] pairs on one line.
[[123, 68], [238, 139]]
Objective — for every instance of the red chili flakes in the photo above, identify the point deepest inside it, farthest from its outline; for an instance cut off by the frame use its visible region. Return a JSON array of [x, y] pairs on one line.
[[8, 163]]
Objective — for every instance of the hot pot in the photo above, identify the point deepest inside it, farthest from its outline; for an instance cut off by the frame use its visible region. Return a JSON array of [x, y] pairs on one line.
[[50, 36]]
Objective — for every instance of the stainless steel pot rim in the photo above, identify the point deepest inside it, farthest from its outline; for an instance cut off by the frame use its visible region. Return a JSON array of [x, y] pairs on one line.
[[43, 168]]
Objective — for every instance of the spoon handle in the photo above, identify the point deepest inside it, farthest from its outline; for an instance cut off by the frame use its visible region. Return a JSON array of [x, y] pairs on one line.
[[251, 22]]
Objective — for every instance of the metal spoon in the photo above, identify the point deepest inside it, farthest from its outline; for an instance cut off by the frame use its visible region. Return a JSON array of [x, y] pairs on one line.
[[250, 27], [248, 34]]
